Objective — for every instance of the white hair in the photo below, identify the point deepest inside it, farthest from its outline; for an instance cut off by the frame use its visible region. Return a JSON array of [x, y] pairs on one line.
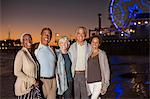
[[21, 37], [63, 39]]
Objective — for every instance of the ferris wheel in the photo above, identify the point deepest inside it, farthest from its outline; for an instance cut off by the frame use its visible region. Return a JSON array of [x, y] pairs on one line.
[[122, 11]]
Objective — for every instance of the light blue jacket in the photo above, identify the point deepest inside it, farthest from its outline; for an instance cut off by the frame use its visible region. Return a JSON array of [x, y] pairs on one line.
[[61, 77]]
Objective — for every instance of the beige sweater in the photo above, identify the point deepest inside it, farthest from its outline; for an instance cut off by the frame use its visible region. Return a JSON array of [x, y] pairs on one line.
[[25, 68]]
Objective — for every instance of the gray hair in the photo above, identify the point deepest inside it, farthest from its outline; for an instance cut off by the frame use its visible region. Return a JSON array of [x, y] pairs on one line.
[[81, 27], [64, 38]]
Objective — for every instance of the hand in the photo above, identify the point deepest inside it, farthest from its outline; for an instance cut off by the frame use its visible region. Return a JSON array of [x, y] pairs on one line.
[[103, 91], [36, 84]]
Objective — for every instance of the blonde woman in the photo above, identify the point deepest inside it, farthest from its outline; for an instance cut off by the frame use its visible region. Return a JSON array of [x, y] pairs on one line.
[[98, 73], [25, 69]]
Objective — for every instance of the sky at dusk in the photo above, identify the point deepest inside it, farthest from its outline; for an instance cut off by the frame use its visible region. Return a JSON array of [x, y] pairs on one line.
[[62, 16]]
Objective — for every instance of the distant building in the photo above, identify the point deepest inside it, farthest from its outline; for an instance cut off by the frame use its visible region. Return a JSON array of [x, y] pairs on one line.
[[10, 44], [139, 29]]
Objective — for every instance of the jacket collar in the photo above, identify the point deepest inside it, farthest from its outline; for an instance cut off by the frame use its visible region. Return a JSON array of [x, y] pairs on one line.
[[85, 43], [27, 53], [42, 46]]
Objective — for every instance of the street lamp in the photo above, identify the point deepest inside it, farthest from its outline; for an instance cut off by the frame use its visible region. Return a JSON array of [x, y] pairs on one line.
[[57, 34], [56, 37]]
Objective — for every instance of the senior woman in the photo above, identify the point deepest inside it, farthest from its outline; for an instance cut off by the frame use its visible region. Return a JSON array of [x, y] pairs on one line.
[[25, 69], [98, 73], [64, 76]]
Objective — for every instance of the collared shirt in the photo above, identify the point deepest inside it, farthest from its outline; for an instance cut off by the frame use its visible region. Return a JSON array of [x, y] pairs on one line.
[[47, 60], [81, 57]]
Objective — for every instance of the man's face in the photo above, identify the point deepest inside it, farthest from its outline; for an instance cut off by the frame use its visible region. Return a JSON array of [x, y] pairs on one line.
[[45, 37], [80, 35], [64, 45]]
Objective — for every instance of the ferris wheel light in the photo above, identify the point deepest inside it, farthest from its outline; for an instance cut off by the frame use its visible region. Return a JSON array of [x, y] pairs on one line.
[[122, 17], [122, 34], [131, 30], [134, 23], [146, 22], [139, 22]]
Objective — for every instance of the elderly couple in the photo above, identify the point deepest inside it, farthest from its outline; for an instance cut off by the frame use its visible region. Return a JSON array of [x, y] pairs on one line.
[[79, 72]]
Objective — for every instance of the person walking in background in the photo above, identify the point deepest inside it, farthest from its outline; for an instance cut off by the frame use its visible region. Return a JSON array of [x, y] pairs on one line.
[[79, 51], [47, 59], [25, 69], [64, 75], [98, 73]]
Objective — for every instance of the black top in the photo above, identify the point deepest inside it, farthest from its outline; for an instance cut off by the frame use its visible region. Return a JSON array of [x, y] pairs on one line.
[[67, 66], [94, 72]]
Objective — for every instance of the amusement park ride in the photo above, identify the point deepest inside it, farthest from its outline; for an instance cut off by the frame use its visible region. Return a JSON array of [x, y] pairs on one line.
[[126, 16], [130, 23]]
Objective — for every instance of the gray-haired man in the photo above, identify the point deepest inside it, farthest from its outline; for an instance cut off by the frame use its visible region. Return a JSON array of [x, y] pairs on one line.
[[79, 51]]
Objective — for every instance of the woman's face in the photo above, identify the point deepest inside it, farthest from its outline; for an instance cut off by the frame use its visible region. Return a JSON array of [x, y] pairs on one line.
[[27, 41], [64, 45], [95, 43]]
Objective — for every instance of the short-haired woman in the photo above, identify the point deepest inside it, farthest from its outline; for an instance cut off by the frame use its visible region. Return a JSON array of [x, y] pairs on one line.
[[64, 75]]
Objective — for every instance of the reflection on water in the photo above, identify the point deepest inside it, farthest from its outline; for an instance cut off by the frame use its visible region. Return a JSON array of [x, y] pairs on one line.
[[118, 90], [130, 76]]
